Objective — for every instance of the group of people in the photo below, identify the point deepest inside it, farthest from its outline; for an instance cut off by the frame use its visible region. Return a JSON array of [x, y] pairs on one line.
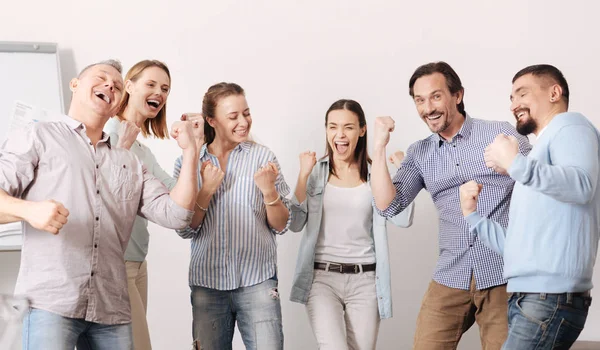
[[516, 222]]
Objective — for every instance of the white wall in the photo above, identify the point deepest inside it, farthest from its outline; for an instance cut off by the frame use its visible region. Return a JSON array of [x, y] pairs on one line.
[[295, 58]]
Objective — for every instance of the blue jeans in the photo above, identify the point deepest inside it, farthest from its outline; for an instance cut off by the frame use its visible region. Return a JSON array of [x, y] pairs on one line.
[[545, 321], [49, 331], [257, 310]]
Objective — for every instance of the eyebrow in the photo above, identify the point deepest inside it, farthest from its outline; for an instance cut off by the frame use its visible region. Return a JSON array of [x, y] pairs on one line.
[[347, 124], [434, 92], [516, 92]]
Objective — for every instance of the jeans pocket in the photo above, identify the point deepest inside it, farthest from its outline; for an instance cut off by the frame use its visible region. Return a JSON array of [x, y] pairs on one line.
[[567, 333], [535, 309]]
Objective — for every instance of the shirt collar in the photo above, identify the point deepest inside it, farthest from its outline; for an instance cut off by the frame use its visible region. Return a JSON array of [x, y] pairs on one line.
[[76, 125], [464, 132], [242, 146]]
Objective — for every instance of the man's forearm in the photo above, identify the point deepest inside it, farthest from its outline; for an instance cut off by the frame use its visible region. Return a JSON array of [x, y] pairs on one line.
[[381, 183], [185, 191], [11, 208]]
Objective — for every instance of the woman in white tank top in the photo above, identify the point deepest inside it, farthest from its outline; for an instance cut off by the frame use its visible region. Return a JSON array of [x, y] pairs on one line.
[[342, 273]]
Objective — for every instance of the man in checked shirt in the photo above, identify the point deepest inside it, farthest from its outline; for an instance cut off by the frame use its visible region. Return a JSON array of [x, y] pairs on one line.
[[468, 284], [78, 199]]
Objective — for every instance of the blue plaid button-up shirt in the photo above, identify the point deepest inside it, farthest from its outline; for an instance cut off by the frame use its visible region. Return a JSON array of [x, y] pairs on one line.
[[441, 167]]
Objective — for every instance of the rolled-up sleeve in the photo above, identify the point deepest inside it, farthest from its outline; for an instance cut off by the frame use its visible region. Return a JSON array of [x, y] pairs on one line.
[[283, 189], [157, 206], [19, 158], [287, 204], [299, 214]]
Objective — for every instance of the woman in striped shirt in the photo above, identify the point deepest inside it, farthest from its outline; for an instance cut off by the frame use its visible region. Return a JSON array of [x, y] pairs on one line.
[[240, 210]]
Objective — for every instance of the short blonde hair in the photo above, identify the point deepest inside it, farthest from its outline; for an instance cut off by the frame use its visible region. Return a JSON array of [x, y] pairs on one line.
[[110, 62]]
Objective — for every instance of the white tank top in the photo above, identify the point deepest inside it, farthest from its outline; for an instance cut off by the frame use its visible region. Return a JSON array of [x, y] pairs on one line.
[[346, 235]]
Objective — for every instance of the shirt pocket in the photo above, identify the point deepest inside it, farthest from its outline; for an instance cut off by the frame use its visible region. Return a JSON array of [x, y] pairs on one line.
[[314, 198], [122, 181]]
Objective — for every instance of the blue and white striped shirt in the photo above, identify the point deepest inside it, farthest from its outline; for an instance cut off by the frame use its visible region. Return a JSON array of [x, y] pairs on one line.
[[441, 167], [234, 246]]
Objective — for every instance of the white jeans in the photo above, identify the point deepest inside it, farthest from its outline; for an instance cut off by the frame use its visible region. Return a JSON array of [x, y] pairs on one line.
[[343, 310]]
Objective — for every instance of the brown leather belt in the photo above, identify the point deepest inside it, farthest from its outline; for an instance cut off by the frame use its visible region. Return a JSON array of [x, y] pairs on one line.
[[345, 268]]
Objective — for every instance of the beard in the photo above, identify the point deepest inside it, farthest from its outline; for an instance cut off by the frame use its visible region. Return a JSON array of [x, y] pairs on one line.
[[440, 128], [526, 127]]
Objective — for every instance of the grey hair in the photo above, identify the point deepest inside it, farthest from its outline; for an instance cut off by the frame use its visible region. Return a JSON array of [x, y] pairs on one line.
[[110, 62]]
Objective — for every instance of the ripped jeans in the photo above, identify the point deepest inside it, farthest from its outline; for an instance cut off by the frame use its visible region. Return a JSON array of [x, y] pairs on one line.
[[257, 310]]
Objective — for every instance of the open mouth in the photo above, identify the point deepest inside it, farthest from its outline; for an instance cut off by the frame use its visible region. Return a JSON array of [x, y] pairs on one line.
[[434, 116], [521, 113], [241, 133], [341, 146], [102, 96], [154, 104]]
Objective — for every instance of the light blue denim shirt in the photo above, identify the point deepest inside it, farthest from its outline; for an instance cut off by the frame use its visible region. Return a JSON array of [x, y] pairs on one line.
[[309, 213]]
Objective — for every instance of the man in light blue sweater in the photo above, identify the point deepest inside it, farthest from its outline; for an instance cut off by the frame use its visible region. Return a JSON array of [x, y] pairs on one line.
[[551, 242]]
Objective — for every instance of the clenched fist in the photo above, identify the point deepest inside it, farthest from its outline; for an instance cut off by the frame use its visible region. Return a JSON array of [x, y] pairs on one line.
[[500, 154], [128, 133], [198, 123], [265, 180], [383, 127], [308, 160], [182, 131], [48, 216], [212, 176], [397, 158], [469, 193]]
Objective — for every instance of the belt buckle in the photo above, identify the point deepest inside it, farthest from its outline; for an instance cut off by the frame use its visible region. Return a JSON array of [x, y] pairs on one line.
[[339, 267], [356, 269]]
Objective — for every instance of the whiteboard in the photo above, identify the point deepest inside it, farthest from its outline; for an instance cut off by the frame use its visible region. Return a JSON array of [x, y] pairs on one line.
[[30, 73]]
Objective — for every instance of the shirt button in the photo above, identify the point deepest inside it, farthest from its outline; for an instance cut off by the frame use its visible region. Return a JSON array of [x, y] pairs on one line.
[[124, 166], [97, 218], [470, 245], [96, 166], [92, 273], [456, 164], [95, 246], [97, 191], [91, 144]]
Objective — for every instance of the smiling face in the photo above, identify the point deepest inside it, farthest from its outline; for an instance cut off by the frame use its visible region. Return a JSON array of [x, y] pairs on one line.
[[98, 89], [343, 133], [148, 92], [232, 120], [436, 105], [530, 101]]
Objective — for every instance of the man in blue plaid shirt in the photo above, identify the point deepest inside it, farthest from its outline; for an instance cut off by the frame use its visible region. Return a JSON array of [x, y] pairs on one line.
[[468, 283]]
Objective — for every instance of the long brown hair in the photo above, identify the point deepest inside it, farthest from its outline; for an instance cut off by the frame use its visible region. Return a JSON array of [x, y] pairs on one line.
[[156, 126], [209, 104], [361, 155]]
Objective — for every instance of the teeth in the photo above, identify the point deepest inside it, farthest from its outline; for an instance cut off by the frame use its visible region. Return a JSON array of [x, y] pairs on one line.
[[342, 143], [103, 96], [154, 103], [433, 117]]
